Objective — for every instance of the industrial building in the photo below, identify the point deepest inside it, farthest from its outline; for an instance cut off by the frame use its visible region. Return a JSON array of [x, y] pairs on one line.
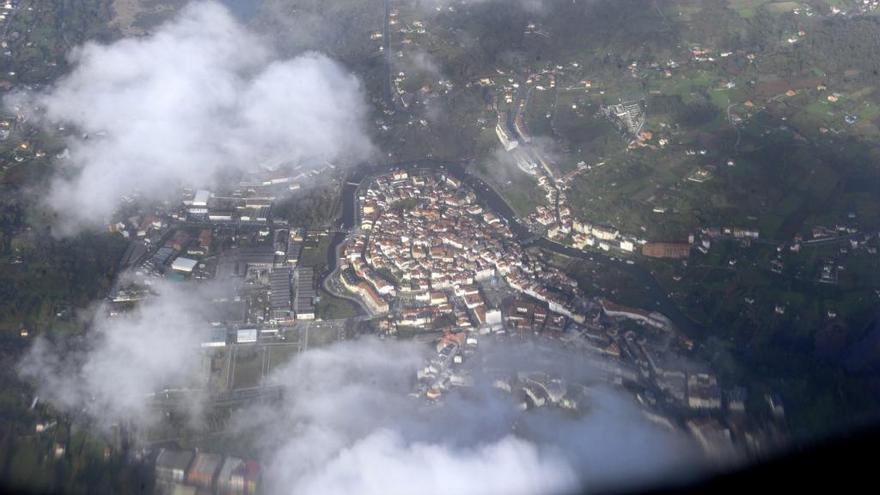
[[184, 265], [171, 468], [254, 258], [304, 302], [279, 294], [201, 472]]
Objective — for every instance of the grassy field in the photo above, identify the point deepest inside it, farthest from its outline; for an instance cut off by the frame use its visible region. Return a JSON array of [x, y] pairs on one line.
[[336, 308], [248, 366], [750, 8], [314, 252], [280, 355]]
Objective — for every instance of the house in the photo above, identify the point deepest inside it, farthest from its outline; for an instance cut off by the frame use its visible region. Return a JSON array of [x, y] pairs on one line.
[[703, 391], [203, 472], [184, 265], [666, 250], [605, 233], [238, 477], [172, 465]]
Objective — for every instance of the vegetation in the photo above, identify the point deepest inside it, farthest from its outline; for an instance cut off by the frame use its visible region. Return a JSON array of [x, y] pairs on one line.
[[800, 157], [310, 206], [331, 307]]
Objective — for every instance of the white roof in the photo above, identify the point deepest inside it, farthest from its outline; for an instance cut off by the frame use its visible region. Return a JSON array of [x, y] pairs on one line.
[[246, 335], [182, 264], [201, 198]]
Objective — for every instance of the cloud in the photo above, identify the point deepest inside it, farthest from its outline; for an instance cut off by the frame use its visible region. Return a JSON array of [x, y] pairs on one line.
[[503, 166], [383, 463], [113, 373], [347, 422], [420, 63], [199, 96], [349, 425]]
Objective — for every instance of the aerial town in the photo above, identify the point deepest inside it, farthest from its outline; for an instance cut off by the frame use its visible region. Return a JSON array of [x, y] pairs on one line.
[[689, 218], [428, 259]]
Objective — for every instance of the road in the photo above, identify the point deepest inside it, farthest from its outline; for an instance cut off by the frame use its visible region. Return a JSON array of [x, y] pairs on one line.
[[171, 399]]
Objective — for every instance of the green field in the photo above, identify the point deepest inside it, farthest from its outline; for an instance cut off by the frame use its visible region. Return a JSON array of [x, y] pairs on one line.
[[336, 308]]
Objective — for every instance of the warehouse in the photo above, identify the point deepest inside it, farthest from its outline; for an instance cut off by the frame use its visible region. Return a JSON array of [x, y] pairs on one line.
[[184, 265], [279, 294]]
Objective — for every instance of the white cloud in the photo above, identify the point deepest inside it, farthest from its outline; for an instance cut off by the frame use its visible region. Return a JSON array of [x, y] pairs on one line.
[[125, 359], [383, 463], [348, 425], [347, 422], [202, 94]]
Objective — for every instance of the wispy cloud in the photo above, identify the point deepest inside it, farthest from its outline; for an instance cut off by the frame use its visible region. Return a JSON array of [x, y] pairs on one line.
[[200, 95], [113, 372], [347, 422], [348, 425]]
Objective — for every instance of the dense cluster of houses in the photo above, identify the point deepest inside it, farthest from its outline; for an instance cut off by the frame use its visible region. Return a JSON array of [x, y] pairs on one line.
[[424, 246]]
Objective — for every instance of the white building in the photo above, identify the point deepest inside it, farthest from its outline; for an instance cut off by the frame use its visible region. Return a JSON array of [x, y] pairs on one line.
[[184, 265], [201, 198]]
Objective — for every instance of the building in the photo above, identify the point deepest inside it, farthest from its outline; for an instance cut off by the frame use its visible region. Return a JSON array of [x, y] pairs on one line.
[[201, 198], [703, 391], [256, 257], [238, 477], [304, 298], [674, 383], [185, 472], [172, 465], [246, 336], [493, 318], [159, 261], [741, 233], [184, 265], [205, 237], [280, 294], [605, 233], [666, 250], [627, 116], [507, 138], [372, 298], [203, 472], [214, 337], [220, 216], [280, 241]]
